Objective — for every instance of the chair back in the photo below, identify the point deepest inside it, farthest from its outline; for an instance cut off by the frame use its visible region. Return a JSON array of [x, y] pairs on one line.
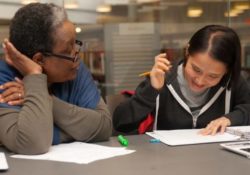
[[112, 102]]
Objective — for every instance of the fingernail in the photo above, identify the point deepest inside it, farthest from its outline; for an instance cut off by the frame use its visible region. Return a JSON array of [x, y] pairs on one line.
[[3, 45], [1, 86]]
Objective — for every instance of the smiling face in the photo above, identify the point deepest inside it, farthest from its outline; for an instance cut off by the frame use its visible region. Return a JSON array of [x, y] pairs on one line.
[[202, 71], [56, 68]]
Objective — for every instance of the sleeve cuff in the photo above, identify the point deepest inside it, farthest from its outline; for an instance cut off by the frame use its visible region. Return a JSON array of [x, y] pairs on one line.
[[235, 118]]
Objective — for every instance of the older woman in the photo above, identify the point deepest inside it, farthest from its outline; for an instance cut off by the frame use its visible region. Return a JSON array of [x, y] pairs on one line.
[[61, 102]]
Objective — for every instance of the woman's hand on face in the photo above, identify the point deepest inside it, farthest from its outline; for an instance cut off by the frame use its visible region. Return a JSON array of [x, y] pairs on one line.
[[13, 92], [21, 62], [157, 74], [217, 125]]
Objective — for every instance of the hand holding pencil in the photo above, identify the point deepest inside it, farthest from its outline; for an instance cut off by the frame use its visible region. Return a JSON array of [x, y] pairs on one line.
[[157, 74]]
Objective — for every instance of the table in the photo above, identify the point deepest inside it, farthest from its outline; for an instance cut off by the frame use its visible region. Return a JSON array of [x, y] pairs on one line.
[[149, 159]]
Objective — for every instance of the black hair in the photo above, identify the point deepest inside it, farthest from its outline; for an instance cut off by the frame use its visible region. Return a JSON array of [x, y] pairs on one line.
[[221, 43], [32, 27]]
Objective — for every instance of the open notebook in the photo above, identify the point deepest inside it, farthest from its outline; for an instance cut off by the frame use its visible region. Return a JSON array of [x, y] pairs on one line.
[[192, 136], [242, 148]]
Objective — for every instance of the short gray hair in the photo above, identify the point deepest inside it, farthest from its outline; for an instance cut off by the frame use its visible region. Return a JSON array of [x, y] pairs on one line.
[[33, 25]]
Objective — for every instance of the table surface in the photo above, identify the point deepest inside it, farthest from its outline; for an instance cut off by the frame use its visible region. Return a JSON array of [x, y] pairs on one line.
[[149, 159]]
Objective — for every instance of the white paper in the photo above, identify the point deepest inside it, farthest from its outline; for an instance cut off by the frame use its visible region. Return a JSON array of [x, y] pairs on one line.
[[3, 162], [78, 152], [189, 136]]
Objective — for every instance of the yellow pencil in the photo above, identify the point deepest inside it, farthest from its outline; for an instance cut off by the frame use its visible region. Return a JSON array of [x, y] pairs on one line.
[[144, 74]]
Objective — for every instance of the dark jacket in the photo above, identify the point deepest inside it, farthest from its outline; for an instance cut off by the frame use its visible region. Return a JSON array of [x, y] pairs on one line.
[[174, 113]]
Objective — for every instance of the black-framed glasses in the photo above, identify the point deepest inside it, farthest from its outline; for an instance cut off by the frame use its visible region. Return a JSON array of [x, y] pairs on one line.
[[78, 45]]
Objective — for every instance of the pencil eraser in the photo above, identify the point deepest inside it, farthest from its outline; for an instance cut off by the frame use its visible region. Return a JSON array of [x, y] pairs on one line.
[[154, 141]]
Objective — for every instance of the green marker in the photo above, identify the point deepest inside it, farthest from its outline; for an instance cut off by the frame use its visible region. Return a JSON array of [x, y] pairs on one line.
[[123, 141]]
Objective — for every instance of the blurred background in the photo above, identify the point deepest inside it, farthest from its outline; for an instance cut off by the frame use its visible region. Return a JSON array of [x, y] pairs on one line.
[[121, 37]]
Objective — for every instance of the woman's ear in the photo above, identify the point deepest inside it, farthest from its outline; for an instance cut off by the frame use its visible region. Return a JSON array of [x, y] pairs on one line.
[[38, 58], [186, 54], [186, 50]]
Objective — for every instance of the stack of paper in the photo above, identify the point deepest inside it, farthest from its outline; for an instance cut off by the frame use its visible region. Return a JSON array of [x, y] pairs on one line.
[[189, 136], [78, 152], [242, 131]]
